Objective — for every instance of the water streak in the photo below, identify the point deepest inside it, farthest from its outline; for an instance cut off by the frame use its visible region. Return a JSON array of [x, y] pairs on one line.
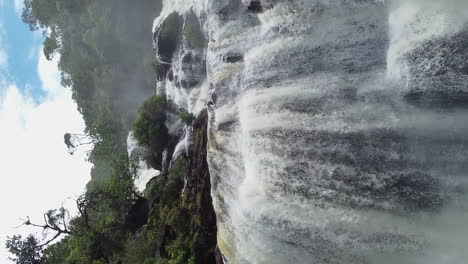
[[337, 128]]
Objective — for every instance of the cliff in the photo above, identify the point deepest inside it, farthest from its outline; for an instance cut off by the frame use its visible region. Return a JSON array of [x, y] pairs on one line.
[[182, 223]]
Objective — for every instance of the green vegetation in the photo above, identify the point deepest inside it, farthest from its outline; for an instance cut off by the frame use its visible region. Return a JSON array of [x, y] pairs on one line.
[[26, 250], [150, 129], [169, 27], [106, 58], [193, 32], [187, 118], [138, 250], [173, 221], [99, 233]]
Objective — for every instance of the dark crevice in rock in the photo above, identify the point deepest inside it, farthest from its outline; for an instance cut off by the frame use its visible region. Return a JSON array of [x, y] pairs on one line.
[[166, 38], [138, 215], [255, 6], [233, 57]]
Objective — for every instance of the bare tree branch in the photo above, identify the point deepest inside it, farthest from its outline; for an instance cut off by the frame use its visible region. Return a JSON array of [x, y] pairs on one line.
[[54, 221], [73, 141], [49, 241]]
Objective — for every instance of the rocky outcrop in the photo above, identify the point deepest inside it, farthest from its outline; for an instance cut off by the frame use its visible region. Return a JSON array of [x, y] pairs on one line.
[[166, 38], [255, 6], [182, 222], [198, 189], [138, 215]]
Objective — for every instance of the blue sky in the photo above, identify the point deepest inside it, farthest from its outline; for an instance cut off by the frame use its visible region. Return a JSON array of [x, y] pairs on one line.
[[21, 47], [36, 172]]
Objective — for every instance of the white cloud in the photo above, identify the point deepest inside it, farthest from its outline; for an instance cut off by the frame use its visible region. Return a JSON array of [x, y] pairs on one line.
[[36, 172], [50, 75], [19, 4]]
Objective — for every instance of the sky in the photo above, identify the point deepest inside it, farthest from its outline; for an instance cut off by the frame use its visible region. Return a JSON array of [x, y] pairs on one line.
[[36, 172]]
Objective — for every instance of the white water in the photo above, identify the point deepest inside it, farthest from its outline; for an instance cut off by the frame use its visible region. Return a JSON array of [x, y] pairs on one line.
[[319, 151], [144, 173]]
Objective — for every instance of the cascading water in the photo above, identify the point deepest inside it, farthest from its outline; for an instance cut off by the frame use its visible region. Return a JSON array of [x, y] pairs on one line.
[[337, 127], [144, 172]]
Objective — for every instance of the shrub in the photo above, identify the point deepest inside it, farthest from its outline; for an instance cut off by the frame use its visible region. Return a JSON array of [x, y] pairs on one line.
[[187, 118], [138, 250], [153, 261], [150, 129]]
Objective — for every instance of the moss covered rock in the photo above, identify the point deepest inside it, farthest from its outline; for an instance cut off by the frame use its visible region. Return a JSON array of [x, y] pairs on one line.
[[182, 222]]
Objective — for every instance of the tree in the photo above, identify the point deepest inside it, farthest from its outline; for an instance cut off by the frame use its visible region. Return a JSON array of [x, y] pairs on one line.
[[100, 229], [150, 128], [26, 251], [73, 141], [40, 14], [91, 39], [57, 253], [55, 221], [50, 47]]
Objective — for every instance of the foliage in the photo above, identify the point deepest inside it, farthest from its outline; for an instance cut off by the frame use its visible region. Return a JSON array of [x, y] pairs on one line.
[[50, 47], [169, 27], [193, 32], [110, 74], [67, 140], [110, 69], [74, 141], [184, 242], [98, 233], [58, 252], [100, 228], [187, 118], [175, 228], [138, 250], [150, 128], [26, 250]]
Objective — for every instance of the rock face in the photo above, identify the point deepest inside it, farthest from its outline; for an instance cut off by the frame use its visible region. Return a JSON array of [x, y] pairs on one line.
[[167, 36], [339, 134], [255, 6], [198, 189], [138, 215], [337, 129], [182, 222]]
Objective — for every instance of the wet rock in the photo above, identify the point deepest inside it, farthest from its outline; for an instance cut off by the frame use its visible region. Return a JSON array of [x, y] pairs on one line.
[[170, 76], [219, 256], [181, 206], [233, 57], [184, 84], [193, 32], [167, 36], [187, 59], [198, 189], [255, 6], [138, 215]]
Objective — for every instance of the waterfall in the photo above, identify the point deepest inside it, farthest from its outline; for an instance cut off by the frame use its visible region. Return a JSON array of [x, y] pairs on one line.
[[337, 128], [144, 172]]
